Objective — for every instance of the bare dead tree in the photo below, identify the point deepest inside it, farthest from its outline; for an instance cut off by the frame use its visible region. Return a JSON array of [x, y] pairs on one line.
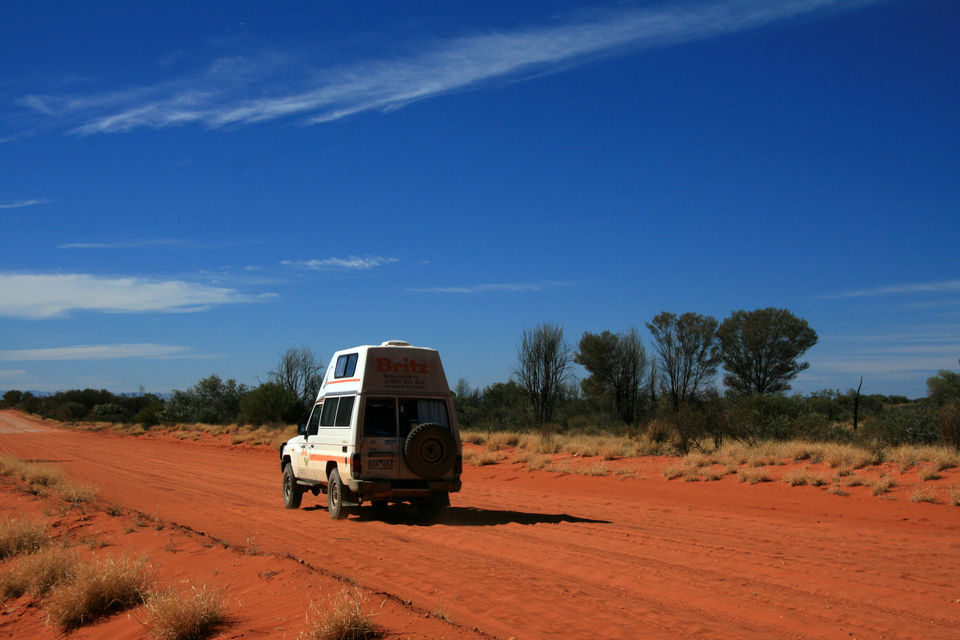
[[543, 360], [301, 371], [856, 405]]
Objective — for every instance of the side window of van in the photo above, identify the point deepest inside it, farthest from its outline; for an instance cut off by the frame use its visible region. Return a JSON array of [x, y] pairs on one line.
[[314, 422], [336, 411], [346, 366], [329, 412], [344, 411]]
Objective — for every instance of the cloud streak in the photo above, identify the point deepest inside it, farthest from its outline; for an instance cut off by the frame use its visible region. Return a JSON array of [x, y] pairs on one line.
[[353, 263], [943, 286], [99, 352], [46, 296], [516, 287], [219, 96], [24, 203], [167, 243]]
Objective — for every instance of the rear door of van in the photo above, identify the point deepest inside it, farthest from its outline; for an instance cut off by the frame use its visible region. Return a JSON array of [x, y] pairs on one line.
[[380, 450]]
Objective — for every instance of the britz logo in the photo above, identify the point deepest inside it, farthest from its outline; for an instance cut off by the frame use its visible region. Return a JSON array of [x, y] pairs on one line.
[[386, 365]]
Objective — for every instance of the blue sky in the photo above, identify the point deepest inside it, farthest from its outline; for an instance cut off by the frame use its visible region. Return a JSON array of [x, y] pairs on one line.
[[191, 188]]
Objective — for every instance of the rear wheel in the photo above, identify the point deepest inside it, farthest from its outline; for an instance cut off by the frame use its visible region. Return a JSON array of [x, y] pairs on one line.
[[435, 505], [335, 491], [292, 493]]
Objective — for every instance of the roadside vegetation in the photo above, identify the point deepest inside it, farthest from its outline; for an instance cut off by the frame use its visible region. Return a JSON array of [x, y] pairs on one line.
[[341, 619], [76, 585], [635, 399]]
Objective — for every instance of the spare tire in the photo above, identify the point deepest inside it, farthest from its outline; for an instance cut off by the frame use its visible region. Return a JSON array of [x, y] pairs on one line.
[[430, 450]]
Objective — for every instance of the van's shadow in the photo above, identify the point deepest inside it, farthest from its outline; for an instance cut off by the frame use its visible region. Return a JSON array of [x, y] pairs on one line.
[[466, 517]]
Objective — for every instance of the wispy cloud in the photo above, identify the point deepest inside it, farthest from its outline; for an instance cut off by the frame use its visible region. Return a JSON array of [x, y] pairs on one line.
[[876, 365], [942, 286], [154, 243], [48, 295], [485, 288], [24, 203], [220, 95], [352, 263], [11, 373], [100, 352], [915, 352]]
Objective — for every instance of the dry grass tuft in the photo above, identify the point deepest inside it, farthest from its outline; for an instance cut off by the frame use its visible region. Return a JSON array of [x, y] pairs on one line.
[[473, 437], [543, 443], [481, 458], [344, 620], [939, 457], [882, 485], [40, 478], [796, 477], [100, 587], [563, 468], [855, 481], [923, 495], [691, 474], [837, 491], [699, 460], [955, 495], [929, 473], [673, 471], [598, 469], [753, 476], [534, 461], [191, 615], [39, 572], [22, 536], [78, 494], [500, 439], [713, 474], [801, 477]]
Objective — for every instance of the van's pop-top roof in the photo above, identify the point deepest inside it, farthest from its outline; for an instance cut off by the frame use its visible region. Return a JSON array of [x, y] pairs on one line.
[[394, 367]]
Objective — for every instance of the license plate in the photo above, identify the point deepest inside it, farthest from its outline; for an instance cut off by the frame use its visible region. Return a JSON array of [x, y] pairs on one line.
[[381, 464]]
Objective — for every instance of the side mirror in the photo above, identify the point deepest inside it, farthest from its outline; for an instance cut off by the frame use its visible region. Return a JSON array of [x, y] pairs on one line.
[[301, 429]]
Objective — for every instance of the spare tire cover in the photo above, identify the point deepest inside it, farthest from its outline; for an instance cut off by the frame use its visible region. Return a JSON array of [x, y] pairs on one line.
[[430, 450]]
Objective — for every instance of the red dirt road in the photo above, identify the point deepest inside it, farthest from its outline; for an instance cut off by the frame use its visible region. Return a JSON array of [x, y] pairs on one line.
[[540, 555]]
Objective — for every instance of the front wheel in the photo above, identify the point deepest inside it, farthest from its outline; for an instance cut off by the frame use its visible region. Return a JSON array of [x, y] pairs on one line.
[[335, 492], [292, 493]]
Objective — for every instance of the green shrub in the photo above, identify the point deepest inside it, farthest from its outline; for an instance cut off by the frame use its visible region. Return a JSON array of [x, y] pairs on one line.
[[902, 425]]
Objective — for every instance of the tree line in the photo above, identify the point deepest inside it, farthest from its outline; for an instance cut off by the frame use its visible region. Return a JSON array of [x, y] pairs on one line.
[[666, 390], [759, 351], [284, 399]]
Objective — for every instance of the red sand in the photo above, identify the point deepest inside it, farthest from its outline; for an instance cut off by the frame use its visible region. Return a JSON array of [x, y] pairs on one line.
[[527, 554]]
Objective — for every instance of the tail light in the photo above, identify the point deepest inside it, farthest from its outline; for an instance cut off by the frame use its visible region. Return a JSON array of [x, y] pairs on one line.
[[458, 466], [355, 467]]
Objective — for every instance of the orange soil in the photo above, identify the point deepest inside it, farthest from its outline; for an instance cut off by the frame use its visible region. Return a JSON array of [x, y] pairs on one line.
[[523, 554]]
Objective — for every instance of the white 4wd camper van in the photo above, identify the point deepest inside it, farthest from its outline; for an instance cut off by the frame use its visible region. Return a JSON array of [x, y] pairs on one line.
[[382, 429]]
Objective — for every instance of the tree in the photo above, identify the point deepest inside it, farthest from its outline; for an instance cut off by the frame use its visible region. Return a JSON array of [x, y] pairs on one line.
[[270, 403], [760, 349], [211, 400], [944, 388], [301, 372], [687, 352], [543, 359], [12, 398], [617, 364]]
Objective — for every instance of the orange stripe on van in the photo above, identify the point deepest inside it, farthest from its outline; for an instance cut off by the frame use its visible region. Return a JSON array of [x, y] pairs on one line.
[[318, 457], [346, 380]]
